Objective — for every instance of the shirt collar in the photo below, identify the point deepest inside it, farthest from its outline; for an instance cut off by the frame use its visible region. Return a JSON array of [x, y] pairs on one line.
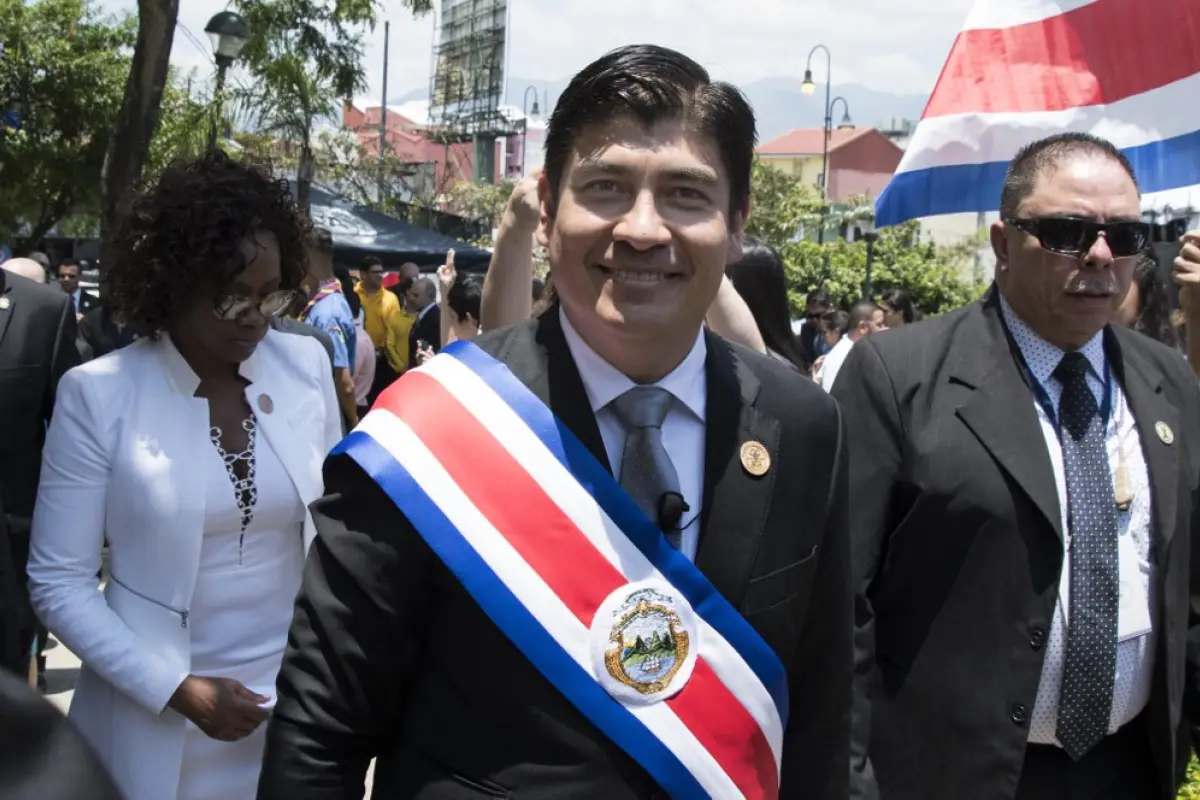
[[605, 383], [1043, 369]]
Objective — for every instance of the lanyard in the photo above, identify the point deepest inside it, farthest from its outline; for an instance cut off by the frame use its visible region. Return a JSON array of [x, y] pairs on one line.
[[331, 286]]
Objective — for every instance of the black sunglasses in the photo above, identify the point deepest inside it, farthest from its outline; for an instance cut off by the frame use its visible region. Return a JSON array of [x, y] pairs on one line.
[[1072, 236]]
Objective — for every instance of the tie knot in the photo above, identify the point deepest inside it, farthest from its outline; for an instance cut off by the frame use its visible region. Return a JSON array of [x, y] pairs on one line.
[[643, 407], [1072, 368]]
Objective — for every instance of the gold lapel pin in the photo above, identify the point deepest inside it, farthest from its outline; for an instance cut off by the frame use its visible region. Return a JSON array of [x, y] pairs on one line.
[[755, 458], [265, 404], [4, 303], [1165, 434]]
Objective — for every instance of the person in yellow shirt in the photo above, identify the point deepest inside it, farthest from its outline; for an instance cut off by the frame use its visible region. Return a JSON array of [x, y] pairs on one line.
[[379, 307], [399, 327]]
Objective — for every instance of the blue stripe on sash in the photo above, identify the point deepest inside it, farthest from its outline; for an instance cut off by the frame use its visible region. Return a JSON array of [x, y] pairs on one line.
[[616, 502], [517, 623]]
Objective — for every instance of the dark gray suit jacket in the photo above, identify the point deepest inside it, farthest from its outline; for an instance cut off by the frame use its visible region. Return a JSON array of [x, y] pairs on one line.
[[389, 655], [958, 549]]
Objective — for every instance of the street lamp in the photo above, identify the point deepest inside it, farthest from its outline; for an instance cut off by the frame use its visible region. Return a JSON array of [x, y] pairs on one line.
[[866, 227], [527, 114], [808, 87], [846, 123], [229, 33]]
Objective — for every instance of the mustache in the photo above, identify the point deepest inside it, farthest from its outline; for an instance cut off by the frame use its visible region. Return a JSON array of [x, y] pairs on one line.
[[1093, 283]]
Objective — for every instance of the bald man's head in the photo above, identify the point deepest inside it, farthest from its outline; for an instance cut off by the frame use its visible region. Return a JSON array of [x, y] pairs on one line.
[[409, 270], [26, 268]]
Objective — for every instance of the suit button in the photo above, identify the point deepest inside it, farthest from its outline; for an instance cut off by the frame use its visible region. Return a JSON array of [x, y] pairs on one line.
[[1037, 638], [1020, 714]]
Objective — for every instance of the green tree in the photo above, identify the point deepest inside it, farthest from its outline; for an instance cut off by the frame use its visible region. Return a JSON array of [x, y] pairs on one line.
[[305, 57], [781, 207], [62, 79]]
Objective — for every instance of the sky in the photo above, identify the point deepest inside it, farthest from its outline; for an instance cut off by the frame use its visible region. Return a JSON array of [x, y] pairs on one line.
[[888, 45]]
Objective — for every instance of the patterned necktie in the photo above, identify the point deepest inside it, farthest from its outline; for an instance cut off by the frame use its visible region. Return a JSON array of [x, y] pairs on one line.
[[1085, 700], [646, 469]]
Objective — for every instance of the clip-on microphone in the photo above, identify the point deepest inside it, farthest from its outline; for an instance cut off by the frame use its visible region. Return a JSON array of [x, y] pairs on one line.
[[671, 508]]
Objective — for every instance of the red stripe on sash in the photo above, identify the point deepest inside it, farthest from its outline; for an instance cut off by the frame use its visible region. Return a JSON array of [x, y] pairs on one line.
[[517, 506]]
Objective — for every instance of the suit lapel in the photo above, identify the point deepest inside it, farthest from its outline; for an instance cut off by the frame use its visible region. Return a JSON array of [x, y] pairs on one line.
[[6, 303], [1142, 384], [549, 371], [735, 504], [1000, 411]]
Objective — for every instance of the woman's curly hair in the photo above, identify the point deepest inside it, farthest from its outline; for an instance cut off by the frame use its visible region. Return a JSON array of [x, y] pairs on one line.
[[182, 237]]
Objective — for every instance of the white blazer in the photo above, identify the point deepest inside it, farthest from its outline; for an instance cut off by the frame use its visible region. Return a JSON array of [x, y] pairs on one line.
[[121, 458]]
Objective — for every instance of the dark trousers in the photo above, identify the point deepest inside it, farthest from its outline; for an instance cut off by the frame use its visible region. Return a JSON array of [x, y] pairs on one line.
[[1121, 767], [384, 375]]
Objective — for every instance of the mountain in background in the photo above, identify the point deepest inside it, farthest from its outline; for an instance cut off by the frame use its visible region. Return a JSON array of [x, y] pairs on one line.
[[778, 103]]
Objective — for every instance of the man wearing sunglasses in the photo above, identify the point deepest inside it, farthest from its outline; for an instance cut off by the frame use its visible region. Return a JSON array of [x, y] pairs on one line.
[[1024, 477]]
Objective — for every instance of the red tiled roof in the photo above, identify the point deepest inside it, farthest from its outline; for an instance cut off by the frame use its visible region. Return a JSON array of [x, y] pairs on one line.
[[808, 141]]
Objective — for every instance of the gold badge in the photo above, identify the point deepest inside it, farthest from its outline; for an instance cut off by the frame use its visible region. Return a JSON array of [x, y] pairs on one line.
[[4, 303], [1165, 434], [265, 404], [755, 458]]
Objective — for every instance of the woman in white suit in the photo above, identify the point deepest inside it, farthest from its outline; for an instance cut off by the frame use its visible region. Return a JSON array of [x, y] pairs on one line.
[[196, 451]]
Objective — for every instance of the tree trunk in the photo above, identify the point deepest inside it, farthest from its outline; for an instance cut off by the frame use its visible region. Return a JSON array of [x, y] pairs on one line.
[[304, 177], [138, 117]]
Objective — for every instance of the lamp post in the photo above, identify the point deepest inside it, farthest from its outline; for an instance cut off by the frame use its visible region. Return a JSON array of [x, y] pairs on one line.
[[229, 33], [846, 122], [526, 115], [867, 228], [808, 87]]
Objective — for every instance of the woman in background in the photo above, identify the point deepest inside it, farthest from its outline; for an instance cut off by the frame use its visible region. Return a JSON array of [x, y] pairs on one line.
[[197, 449], [898, 308], [760, 280], [1146, 307]]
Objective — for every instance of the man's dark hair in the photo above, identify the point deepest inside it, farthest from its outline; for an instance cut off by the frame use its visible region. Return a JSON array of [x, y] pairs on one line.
[[68, 262], [653, 84], [836, 321], [1045, 154], [465, 297], [862, 311], [818, 299], [370, 261], [322, 240], [343, 276]]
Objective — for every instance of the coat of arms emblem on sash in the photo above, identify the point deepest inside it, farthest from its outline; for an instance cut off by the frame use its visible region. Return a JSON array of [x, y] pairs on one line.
[[649, 646]]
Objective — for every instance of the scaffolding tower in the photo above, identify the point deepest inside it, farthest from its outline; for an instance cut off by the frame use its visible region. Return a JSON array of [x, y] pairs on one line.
[[468, 80]]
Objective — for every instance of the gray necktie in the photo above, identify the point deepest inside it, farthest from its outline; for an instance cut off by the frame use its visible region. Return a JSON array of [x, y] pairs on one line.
[[1089, 672], [646, 469]]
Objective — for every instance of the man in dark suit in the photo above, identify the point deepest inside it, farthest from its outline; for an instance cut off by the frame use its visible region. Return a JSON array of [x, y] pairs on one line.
[[41, 754], [1025, 482], [68, 281], [37, 345], [421, 299], [644, 201]]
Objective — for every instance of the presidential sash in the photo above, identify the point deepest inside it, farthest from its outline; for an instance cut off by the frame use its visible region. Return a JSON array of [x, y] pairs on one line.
[[577, 576]]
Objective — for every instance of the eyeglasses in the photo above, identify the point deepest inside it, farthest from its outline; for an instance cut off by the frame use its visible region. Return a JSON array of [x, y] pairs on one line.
[[1071, 236], [274, 304]]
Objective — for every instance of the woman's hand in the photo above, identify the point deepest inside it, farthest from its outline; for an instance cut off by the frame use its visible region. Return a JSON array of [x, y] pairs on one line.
[[424, 354], [221, 707], [446, 276]]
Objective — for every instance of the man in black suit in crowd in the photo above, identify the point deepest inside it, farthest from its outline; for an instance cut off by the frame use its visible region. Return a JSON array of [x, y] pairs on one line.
[[643, 203], [37, 345], [421, 299], [1025, 482], [68, 281]]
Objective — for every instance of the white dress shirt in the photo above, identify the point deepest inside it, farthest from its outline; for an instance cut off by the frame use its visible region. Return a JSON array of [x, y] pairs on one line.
[[682, 430], [1135, 628], [833, 362]]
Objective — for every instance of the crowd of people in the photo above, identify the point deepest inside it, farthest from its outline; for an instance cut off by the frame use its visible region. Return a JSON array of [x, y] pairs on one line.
[[627, 534]]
